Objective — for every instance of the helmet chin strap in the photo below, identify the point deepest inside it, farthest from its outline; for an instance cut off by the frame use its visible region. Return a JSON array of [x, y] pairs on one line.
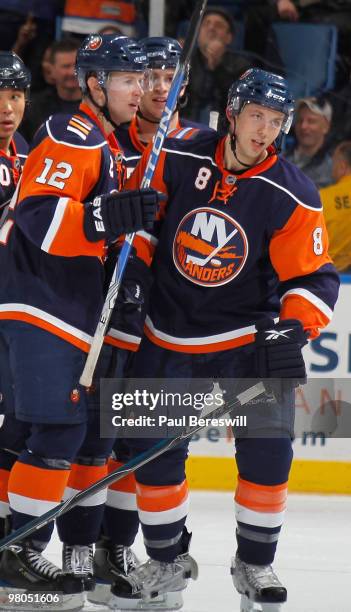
[[140, 114], [104, 107], [233, 148]]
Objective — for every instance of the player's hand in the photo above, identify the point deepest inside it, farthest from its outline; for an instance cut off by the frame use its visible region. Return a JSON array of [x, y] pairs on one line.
[[214, 51], [113, 214], [130, 308], [278, 352]]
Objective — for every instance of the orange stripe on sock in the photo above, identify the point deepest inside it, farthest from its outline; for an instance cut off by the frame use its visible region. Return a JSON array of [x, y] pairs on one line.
[[127, 484], [37, 483], [83, 476], [4, 481], [261, 498], [158, 499]]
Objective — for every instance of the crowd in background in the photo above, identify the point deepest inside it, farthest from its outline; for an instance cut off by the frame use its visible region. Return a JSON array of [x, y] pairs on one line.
[[47, 35]]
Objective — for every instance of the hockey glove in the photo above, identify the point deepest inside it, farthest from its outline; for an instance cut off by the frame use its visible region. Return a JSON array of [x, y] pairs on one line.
[[131, 305], [279, 352], [113, 214]]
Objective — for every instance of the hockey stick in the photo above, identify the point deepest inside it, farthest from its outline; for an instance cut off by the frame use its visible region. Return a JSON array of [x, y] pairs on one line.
[[176, 86], [202, 261], [129, 467]]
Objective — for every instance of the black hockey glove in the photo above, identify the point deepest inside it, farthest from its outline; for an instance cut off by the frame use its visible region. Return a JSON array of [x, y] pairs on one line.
[[279, 352], [113, 214], [131, 305]]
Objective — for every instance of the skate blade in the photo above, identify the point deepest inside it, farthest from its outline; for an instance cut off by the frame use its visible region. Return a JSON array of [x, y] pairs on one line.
[[247, 605], [68, 603], [101, 594], [166, 601]]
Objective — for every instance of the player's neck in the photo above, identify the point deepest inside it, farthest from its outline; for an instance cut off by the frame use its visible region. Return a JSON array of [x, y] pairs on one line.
[[233, 163], [5, 145], [147, 129], [106, 125]]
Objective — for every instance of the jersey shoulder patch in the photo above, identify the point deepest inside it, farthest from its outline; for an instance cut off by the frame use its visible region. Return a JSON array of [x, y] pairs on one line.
[[77, 131], [201, 143]]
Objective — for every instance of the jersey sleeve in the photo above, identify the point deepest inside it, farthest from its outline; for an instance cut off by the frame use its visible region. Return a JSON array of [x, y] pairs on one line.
[[309, 283], [56, 181], [145, 242]]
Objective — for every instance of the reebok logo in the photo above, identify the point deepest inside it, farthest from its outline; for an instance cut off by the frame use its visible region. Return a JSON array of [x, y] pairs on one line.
[[274, 334]]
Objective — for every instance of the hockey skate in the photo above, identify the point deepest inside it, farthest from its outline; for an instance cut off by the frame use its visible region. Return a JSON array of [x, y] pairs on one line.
[[111, 561], [78, 562], [155, 585], [23, 569], [259, 587]]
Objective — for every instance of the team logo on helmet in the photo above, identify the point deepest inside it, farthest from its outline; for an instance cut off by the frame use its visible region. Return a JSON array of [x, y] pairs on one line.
[[95, 43], [210, 248]]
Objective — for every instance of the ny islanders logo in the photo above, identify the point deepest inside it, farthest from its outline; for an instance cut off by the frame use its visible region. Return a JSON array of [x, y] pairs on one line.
[[210, 248]]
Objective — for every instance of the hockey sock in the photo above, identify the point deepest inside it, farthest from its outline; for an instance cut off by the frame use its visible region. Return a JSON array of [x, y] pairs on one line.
[[121, 521]]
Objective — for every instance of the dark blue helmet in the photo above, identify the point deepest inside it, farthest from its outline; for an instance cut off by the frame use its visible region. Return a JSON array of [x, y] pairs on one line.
[[13, 73], [162, 53], [263, 88], [108, 53]]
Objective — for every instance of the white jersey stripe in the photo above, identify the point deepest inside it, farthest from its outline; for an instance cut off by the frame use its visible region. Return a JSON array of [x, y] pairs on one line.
[[263, 178], [316, 301], [69, 144], [76, 131], [187, 154], [119, 335], [55, 224], [48, 318], [230, 335]]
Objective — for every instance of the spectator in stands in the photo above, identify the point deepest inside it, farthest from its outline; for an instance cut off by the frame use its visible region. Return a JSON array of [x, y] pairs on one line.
[[47, 69], [336, 201], [65, 97], [28, 28], [311, 151], [214, 66], [260, 15]]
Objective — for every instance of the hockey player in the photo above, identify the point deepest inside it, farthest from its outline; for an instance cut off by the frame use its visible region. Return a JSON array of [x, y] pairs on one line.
[[14, 94], [113, 555], [54, 244], [241, 280]]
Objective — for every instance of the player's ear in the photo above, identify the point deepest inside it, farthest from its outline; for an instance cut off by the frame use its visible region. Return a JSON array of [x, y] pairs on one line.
[[229, 116], [95, 89]]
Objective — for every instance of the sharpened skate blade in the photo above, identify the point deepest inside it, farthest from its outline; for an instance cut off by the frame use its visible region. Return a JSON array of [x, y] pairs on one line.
[[166, 601], [247, 605]]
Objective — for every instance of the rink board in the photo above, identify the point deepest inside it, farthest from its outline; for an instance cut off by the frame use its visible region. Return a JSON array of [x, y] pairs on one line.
[[320, 465]]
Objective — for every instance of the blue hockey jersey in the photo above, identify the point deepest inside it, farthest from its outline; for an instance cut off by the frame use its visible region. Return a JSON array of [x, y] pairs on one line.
[[11, 168], [230, 249]]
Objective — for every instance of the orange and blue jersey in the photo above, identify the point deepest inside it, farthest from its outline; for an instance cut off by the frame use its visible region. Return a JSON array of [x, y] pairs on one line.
[[231, 249], [133, 147], [11, 164], [52, 276]]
